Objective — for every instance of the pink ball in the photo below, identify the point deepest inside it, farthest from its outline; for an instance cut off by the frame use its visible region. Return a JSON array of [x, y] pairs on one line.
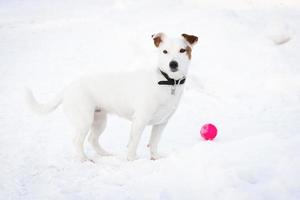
[[208, 131]]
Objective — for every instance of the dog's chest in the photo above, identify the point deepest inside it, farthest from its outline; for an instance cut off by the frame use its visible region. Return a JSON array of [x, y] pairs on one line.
[[166, 105]]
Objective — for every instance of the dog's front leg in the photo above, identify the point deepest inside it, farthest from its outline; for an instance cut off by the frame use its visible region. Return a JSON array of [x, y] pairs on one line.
[[137, 128], [154, 140]]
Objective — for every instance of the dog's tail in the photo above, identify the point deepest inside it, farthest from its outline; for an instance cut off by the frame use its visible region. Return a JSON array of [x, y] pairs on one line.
[[42, 108]]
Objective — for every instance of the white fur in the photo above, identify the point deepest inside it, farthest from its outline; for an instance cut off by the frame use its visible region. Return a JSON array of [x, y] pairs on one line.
[[135, 96]]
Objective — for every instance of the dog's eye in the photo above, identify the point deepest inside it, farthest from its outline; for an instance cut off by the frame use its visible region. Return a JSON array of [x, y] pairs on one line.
[[165, 51], [182, 50]]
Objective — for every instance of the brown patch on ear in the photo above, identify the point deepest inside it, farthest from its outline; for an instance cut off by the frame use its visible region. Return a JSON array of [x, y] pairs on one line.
[[190, 38], [157, 38], [188, 50], [157, 41]]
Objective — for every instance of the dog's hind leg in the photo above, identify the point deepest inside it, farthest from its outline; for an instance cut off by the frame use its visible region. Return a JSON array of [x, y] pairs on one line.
[[81, 117], [97, 128], [79, 142]]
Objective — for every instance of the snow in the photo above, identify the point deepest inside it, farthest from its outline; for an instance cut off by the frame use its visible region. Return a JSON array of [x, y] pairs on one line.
[[241, 79]]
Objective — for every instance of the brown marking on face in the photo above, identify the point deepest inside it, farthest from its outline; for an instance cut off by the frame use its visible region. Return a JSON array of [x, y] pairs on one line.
[[190, 38], [157, 38], [188, 51]]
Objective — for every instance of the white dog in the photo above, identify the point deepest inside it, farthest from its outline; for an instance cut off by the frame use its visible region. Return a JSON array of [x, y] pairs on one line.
[[143, 97]]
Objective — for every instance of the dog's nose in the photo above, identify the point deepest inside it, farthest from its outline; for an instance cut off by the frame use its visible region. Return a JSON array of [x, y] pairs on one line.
[[173, 66]]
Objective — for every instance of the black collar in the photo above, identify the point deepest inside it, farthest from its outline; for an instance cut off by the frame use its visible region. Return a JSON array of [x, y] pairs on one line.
[[170, 81]]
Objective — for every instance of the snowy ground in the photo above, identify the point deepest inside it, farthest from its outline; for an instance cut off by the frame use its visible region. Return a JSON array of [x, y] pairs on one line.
[[239, 80]]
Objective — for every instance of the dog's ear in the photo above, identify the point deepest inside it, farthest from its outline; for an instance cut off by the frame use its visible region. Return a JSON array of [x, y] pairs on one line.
[[191, 39], [158, 38]]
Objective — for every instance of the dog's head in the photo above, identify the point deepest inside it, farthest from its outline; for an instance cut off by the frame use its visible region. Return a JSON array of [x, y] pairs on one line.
[[174, 54]]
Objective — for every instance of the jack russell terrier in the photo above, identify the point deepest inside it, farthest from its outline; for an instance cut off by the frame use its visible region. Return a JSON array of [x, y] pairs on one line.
[[145, 98]]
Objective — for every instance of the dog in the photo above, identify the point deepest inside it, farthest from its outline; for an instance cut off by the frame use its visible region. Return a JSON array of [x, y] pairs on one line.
[[143, 97]]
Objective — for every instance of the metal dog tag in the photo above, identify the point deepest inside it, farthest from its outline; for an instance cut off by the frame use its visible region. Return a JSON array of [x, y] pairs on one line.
[[173, 91]]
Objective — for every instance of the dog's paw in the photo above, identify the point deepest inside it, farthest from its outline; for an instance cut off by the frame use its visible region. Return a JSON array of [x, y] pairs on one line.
[[104, 153], [132, 157], [107, 154], [156, 157]]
